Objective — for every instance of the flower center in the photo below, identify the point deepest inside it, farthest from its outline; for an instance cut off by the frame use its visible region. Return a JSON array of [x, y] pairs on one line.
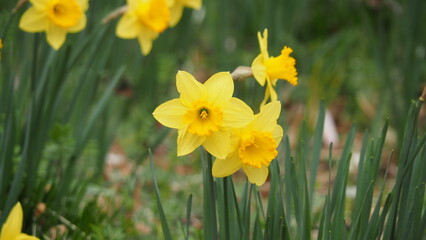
[[257, 148], [204, 113], [64, 13], [154, 14], [282, 67], [203, 118]]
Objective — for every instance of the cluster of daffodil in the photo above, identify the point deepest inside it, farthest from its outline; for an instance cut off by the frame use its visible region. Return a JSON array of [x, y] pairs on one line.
[[207, 115], [11, 229], [142, 19]]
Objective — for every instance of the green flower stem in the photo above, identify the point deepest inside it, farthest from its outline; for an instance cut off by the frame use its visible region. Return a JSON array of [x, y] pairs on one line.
[[209, 196], [226, 208]]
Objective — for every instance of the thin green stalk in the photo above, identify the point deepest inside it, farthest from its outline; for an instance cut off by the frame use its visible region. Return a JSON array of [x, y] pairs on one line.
[[209, 197], [226, 208], [166, 230], [188, 215], [319, 130]]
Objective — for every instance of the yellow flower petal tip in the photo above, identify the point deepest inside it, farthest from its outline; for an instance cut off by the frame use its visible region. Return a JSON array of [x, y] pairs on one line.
[[204, 113], [268, 69], [176, 9], [12, 227], [55, 17], [254, 146], [144, 20]]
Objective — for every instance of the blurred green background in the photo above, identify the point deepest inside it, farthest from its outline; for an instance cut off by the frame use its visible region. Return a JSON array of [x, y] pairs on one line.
[[77, 124]]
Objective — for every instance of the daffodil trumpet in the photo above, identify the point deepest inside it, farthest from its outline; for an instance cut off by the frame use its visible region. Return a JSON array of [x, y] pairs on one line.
[[254, 146]]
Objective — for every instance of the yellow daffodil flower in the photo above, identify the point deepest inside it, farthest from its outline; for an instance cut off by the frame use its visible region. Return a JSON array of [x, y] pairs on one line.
[[176, 9], [11, 229], [204, 113], [56, 18], [254, 146], [269, 69], [144, 20]]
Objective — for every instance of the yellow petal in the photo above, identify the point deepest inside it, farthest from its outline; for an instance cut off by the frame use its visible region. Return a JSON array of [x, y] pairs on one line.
[[13, 225], [189, 88], [272, 92], [219, 88], [263, 44], [24, 236], [265, 99], [237, 114], [133, 4], [127, 27], [84, 4], [266, 120], [278, 134], [34, 21], [195, 4], [80, 25], [257, 176], [176, 11], [269, 92], [39, 4], [55, 36], [188, 142], [218, 144], [227, 166], [146, 37], [170, 113], [259, 70]]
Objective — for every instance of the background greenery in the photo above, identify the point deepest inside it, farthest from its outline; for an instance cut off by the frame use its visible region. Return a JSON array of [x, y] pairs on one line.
[[76, 124]]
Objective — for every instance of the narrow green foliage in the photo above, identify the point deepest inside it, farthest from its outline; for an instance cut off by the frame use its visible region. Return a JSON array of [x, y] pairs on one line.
[[209, 196], [288, 208], [276, 221], [316, 152], [188, 216], [405, 193], [245, 209], [288, 179], [325, 223], [166, 230]]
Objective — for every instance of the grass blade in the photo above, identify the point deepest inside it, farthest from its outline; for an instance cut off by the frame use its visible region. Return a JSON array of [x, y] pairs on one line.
[[188, 215], [209, 203], [165, 226], [317, 145]]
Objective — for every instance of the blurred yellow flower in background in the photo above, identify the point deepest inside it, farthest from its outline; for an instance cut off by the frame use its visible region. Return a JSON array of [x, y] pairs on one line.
[[255, 146], [269, 69], [144, 20], [204, 113], [176, 9], [11, 229], [56, 18]]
